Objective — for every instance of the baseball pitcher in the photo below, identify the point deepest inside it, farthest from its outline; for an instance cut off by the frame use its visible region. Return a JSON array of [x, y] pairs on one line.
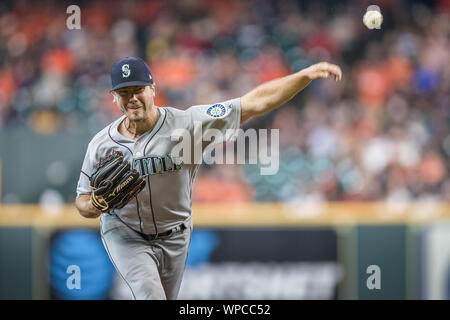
[[142, 190]]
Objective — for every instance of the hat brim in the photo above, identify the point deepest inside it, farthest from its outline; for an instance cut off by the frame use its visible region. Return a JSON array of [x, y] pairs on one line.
[[131, 84]]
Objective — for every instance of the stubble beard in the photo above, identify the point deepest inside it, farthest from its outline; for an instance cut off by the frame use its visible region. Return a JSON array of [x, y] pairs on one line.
[[137, 116]]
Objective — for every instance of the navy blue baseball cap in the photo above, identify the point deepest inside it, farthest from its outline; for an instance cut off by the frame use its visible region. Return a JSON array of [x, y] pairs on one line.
[[129, 72]]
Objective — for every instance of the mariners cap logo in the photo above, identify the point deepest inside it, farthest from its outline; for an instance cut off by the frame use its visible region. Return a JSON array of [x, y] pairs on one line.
[[130, 71], [126, 70], [216, 111]]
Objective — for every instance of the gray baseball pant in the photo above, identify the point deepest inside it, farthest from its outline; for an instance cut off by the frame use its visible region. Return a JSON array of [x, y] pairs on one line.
[[152, 269]]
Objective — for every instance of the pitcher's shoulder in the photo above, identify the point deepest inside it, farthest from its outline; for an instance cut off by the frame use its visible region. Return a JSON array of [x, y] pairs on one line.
[[173, 111], [173, 115], [105, 133]]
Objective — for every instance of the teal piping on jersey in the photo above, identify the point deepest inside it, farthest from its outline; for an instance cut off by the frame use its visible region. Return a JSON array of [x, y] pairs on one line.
[[137, 200], [148, 177]]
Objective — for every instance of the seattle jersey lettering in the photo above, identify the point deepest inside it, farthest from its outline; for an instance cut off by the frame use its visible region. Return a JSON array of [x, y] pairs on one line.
[[149, 165]]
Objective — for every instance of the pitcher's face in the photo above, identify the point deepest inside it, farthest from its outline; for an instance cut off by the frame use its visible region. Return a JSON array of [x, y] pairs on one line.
[[136, 102]]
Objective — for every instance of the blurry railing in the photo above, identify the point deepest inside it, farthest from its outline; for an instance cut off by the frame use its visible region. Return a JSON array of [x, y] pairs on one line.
[[252, 214]]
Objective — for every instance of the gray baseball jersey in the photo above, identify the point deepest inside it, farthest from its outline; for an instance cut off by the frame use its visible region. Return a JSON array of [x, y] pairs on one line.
[[166, 200]]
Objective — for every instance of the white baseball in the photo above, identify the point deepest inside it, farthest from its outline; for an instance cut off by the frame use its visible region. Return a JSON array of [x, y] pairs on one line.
[[373, 19]]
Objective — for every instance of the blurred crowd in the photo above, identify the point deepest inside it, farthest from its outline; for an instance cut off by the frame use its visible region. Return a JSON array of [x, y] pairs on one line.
[[381, 134]]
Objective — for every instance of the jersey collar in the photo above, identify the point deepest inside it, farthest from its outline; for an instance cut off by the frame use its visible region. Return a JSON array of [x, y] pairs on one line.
[[119, 137]]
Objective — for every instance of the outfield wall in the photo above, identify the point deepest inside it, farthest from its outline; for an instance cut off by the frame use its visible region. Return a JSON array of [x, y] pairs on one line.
[[251, 251]]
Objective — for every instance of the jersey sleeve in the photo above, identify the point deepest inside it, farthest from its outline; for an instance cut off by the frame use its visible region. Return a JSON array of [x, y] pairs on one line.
[[84, 185], [220, 120]]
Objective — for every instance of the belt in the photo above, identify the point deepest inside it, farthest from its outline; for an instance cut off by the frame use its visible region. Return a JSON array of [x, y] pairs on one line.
[[178, 228]]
